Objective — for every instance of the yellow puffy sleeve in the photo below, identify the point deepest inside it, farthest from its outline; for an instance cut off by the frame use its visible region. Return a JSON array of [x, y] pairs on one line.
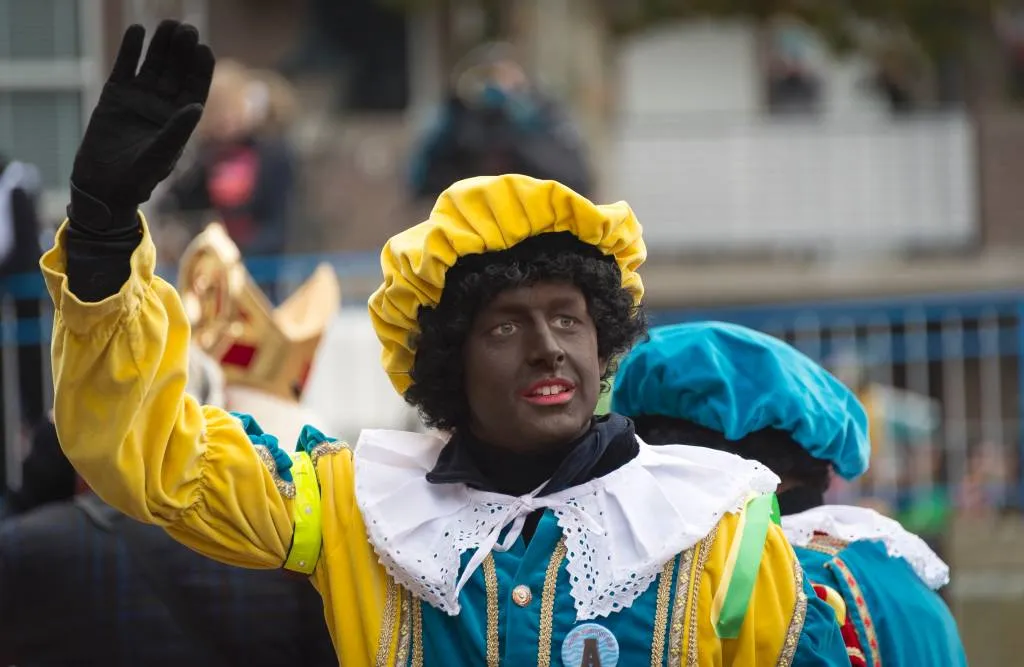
[[142, 444]]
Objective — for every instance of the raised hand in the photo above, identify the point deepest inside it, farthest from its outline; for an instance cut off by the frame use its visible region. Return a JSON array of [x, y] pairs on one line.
[[140, 125]]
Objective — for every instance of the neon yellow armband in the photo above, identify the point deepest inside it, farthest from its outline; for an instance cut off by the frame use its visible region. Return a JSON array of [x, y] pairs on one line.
[[308, 531]]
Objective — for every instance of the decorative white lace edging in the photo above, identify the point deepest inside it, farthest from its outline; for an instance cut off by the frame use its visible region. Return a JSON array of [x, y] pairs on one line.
[[619, 529], [851, 524]]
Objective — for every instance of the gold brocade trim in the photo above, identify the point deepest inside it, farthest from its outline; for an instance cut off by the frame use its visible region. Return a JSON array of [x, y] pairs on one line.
[[661, 613], [854, 652], [547, 605], [698, 572], [491, 586], [675, 637], [417, 632], [827, 544], [796, 623], [325, 448], [287, 489], [862, 609], [388, 626], [407, 601]]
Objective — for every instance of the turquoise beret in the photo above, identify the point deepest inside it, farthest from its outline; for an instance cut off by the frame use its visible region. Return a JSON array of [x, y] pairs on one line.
[[736, 381]]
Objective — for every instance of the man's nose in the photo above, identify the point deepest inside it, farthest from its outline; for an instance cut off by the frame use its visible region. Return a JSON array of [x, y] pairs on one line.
[[546, 348]]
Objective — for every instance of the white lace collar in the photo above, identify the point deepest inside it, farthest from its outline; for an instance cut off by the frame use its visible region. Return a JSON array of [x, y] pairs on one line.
[[619, 529], [850, 524]]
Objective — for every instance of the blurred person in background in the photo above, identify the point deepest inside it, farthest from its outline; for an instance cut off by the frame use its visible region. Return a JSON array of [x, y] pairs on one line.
[[83, 584], [1008, 22], [794, 82], [925, 505], [903, 74], [495, 121], [20, 232], [731, 388], [242, 170], [986, 482]]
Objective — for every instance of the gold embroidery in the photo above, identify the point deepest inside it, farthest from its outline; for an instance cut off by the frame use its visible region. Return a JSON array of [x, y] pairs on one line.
[[388, 626], [547, 606], [698, 573], [675, 636], [661, 614], [406, 602], [325, 448], [417, 633], [826, 544], [796, 623], [287, 489], [854, 652], [862, 609], [491, 586]]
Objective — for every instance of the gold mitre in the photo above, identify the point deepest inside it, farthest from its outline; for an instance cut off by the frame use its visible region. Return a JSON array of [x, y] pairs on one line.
[[256, 345]]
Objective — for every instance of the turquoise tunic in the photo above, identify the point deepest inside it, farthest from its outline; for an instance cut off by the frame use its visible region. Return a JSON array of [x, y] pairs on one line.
[[525, 637], [899, 620]]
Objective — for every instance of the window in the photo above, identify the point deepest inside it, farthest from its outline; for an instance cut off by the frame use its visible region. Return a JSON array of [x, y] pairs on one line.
[[48, 78]]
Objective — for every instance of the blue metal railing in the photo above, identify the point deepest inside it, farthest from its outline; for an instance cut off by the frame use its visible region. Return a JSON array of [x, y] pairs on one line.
[[958, 349], [924, 343]]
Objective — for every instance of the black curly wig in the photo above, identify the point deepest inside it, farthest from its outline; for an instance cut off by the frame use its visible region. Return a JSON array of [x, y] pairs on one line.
[[773, 448], [437, 389]]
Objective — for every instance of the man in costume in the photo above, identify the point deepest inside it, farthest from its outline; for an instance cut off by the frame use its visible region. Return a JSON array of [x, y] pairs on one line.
[[730, 388], [536, 534]]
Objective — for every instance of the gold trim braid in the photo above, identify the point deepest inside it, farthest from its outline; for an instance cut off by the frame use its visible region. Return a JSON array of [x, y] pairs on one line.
[[406, 601], [491, 586], [388, 626], [862, 609], [325, 448], [417, 633], [698, 574], [684, 612], [547, 605], [827, 544], [661, 613], [683, 574], [796, 623], [287, 489]]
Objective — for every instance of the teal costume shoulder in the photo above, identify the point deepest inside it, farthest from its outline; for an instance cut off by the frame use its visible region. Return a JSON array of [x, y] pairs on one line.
[[888, 578]]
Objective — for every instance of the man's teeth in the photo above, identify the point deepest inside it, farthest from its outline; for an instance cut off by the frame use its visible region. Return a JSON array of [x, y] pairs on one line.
[[550, 391]]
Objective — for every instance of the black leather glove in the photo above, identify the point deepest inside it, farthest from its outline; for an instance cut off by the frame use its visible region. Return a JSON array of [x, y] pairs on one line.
[[139, 126]]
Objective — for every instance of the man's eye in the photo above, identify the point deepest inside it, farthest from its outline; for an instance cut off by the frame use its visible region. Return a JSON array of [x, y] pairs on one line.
[[565, 322], [504, 329]]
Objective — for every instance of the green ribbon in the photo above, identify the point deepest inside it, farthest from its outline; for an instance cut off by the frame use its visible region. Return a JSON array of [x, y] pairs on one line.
[[760, 512]]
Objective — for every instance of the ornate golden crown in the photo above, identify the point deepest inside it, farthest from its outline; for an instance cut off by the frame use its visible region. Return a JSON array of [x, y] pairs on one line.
[[256, 344]]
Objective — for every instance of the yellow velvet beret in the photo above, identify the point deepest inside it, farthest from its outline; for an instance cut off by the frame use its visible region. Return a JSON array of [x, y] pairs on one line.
[[479, 215]]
